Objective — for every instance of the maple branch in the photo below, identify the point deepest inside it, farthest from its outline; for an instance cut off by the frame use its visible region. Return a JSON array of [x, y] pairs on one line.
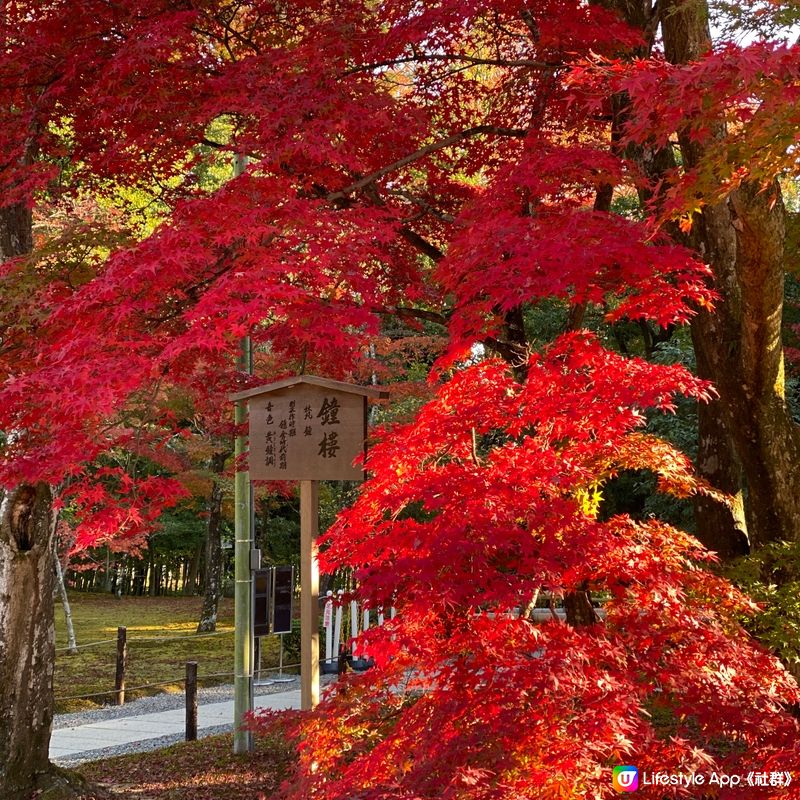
[[421, 243], [419, 313], [504, 29], [231, 32], [433, 147], [531, 24], [510, 352], [423, 204], [422, 57], [530, 605], [474, 448], [193, 292]]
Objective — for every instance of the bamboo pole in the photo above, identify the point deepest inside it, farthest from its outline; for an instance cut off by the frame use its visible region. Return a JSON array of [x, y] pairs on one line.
[[243, 612]]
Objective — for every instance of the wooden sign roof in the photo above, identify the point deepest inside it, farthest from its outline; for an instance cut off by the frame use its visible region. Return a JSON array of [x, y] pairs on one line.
[[312, 380]]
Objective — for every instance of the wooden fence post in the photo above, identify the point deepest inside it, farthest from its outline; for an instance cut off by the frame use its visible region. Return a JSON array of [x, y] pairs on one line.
[[122, 658], [191, 701]]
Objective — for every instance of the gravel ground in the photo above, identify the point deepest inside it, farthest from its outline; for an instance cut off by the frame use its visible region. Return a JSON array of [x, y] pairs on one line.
[[159, 702]]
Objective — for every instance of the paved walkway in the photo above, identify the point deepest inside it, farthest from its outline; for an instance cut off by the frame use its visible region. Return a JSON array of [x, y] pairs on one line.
[[71, 742]]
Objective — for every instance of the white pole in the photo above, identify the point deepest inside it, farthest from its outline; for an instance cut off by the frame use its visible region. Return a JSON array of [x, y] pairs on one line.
[[337, 631], [353, 624], [328, 623]]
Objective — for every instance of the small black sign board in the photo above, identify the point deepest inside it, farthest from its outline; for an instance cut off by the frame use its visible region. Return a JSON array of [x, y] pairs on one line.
[[283, 592], [262, 601], [273, 590]]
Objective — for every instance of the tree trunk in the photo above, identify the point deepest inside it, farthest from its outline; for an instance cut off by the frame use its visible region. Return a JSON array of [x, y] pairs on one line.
[[194, 570], [729, 454], [743, 240], [108, 578], [152, 578], [720, 528], [72, 643], [121, 576], [16, 231], [212, 589], [578, 607], [27, 643]]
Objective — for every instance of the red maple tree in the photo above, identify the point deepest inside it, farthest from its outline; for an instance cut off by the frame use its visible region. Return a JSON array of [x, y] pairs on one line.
[[447, 162]]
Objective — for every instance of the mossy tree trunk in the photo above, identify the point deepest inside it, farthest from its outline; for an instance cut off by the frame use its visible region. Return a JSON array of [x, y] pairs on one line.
[[743, 239], [748, 444], [27, 640]]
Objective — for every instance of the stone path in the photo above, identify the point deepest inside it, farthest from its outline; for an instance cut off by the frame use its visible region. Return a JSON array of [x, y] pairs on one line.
[[69, 743]]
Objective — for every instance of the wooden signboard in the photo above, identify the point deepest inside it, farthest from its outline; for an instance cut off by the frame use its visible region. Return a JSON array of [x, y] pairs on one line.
[[307, 428], [307, 433]]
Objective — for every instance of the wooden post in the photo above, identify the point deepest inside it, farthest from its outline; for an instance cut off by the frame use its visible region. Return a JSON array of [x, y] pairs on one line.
[[309, 595], [191, 701], [122, 658]]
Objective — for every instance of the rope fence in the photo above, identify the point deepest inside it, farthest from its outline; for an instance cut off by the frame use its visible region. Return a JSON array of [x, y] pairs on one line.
[[172, 682], [184, 637], [144, 686], [120, 666]]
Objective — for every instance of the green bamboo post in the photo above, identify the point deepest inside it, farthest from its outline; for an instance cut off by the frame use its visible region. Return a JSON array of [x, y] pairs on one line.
[[243, 612]]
